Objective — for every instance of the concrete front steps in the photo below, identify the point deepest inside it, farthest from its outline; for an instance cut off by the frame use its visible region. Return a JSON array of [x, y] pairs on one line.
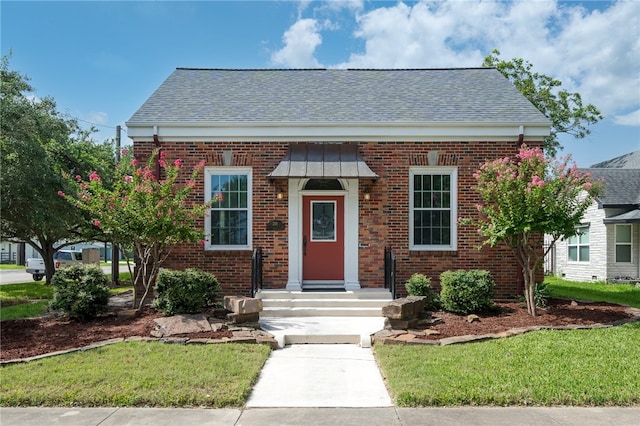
[[359, 303], [323, 317]]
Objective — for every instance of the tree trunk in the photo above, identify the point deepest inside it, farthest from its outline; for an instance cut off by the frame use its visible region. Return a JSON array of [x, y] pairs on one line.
[[529, 289]]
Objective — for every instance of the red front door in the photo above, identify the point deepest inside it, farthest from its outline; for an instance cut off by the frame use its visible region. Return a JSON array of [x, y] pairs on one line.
[[323, 238]]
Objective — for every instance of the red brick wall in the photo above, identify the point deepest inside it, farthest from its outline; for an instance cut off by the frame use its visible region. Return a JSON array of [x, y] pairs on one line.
[[384, 220]]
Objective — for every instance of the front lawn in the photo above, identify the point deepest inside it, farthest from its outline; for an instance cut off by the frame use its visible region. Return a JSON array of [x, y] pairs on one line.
[[624, 294], [578, 367], [138, 374], [31, 299]]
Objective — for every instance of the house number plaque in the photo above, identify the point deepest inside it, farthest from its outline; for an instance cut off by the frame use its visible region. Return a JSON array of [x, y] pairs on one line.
[[275, 225]]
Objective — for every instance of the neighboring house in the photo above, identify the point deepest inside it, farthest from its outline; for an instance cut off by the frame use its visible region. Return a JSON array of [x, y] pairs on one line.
[[607, 246], [324, 169]]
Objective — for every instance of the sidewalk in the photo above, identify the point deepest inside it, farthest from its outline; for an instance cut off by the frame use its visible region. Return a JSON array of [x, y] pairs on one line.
[[388, 416]]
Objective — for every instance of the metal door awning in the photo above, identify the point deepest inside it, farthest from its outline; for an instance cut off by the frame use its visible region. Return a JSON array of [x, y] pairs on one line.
[[323, 160]]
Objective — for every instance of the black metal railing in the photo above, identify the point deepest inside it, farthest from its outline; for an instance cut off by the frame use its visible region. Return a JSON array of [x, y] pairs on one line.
[[390, 270], [549, 259], [256, 271]]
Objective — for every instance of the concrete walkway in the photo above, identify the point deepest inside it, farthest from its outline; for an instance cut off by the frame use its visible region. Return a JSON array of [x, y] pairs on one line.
[[320, 375], [389, 416]]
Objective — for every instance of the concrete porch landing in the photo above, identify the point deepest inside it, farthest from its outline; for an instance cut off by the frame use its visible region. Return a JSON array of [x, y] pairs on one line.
[[291, 330]]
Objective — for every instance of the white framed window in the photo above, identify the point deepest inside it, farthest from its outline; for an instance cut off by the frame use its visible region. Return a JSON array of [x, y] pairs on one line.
[[433, 208], [578, 245], [623, 243], [228, 225]]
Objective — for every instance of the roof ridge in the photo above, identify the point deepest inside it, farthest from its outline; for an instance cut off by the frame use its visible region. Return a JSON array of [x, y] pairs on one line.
[[333, 69]]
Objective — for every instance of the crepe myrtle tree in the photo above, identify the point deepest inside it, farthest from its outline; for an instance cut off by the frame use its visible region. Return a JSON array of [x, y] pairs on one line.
[[142, 212], [525, 197]]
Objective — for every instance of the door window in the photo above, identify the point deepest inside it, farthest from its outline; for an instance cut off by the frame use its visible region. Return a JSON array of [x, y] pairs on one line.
[[323, 221]]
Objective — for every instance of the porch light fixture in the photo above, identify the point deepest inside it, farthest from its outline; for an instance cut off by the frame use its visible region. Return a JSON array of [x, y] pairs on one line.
[[367, 194], [280, 195]]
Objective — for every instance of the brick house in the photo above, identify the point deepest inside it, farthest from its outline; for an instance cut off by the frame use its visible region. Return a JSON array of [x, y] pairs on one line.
[[323, 169]]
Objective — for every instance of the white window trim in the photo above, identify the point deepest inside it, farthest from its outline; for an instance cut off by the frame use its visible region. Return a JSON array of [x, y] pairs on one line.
[[616, 243], [453, 172], [578, 245], [224, 170]]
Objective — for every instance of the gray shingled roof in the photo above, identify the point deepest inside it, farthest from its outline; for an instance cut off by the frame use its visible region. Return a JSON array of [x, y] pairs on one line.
[[626, 161], [480, 95], [621, 186]]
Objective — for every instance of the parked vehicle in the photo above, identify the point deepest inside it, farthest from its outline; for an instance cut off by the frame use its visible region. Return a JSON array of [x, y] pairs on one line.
[[66, 258], [35, 267]]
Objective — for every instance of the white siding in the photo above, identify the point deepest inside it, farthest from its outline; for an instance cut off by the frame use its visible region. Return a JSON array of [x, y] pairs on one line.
[[596, 268], [601, 264], [623, 269]]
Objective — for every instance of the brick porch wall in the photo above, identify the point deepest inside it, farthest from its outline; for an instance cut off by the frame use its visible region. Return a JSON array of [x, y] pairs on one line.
[[384, 220]]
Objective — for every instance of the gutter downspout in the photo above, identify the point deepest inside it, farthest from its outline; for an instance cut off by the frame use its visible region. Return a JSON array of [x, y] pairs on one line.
[[520, 136], [156, 141]]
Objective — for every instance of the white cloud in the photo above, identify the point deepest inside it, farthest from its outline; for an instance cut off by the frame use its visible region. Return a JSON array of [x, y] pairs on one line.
[[631, 119], [594, 52], [300, 42], [98, 117]]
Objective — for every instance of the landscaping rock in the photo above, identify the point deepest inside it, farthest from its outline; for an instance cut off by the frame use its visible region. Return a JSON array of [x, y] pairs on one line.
[[407, 308], [242, 304], [180, 324], [252, 318], [473, 318]]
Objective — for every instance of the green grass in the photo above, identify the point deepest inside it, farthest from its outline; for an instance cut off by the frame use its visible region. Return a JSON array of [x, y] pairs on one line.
[[24, 310], [138, 374], [30, 290], [28, 300], [624, 294], [11, 266], [579, 367]]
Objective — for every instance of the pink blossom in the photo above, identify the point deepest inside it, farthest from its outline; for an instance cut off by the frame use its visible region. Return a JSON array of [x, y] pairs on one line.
[[159, 214], [134, 162], [203, 242], [94, 176], [61, 193], [124, 151], [128, 179], [162, 163], [78, 178], [479, 207], [536, 181], [587, 186], [178, 163], [96, 222], [163, 155]]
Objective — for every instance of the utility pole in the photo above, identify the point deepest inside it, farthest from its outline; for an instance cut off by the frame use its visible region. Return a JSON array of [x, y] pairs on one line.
[[115, 252]]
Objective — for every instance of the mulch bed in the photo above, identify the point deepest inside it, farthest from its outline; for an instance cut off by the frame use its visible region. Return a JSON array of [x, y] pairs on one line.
[[23, 338]]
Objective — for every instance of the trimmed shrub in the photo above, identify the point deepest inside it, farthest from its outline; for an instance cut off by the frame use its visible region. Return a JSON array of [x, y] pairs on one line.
[[80, 291], [185, 292], [420, 285], [466, 292]]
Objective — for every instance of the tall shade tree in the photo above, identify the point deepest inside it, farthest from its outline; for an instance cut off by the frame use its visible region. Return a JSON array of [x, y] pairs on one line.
[[37, 145], [526, 197], [565, 109], [138, 210]]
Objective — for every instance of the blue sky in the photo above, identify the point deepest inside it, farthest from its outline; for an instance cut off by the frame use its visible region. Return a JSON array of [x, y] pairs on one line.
[[101, 60]]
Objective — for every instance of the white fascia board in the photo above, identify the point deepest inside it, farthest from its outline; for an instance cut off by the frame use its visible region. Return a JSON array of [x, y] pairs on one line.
[[302, 132]]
